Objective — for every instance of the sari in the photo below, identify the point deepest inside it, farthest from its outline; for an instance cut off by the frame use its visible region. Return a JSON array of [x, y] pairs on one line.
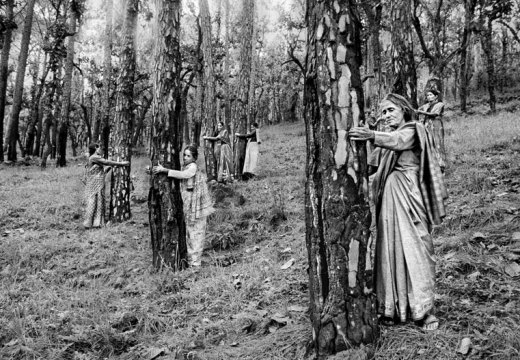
[[94, 194], [224, 156]]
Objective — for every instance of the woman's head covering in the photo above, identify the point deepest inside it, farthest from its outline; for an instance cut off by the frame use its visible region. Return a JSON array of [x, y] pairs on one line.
[[433, 91], [92, 148], [403, 103]]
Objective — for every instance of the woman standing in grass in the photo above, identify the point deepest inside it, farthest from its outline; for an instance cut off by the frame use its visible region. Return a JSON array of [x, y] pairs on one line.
[[222, 153], [432, 119], [197, 202], [95, 186], [251, 160], [409, 193]]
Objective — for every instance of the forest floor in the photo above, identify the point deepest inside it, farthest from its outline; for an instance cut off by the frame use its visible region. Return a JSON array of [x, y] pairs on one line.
[[69, 293]]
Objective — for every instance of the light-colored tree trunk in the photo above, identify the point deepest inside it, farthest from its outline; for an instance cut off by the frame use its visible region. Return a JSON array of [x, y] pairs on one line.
[[244, 81], [107, 78], [469, 9], [124, 119], [12, 133], [209, 112], [168, 232], [342, 300], [4, 70], [63, 126]]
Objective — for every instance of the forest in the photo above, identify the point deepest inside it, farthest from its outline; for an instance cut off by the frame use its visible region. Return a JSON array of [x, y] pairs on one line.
[[286, 270]]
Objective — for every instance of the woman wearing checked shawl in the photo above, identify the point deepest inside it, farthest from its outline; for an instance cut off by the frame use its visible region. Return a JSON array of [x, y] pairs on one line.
[[409, 193], [196, 199]]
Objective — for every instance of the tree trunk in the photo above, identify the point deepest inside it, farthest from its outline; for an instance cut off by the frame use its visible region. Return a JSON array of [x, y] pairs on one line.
[[373, 86], [120, 193], [244, 81], [209, 111], [403, 75], [61, 160], [199, 93], [12, 130], [168, 232], [469, 8], [342, 300], [487, 45], [107, 78], [147, 103], [4, 71]]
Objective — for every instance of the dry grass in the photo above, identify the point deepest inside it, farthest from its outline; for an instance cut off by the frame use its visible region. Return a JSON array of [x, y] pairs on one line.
[[66, 293]]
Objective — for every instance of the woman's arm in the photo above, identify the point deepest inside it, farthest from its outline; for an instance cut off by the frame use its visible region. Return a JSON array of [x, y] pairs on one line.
[[105, 162], [187, 173], [246, 136], [400, 139]]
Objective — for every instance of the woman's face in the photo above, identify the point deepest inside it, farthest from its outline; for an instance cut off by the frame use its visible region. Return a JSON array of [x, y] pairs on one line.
[[219, 126], [392, 114], [188, 157], [99, 151], [431, 96]]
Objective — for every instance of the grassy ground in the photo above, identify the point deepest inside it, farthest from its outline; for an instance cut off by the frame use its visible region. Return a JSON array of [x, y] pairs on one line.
[[67, 293]]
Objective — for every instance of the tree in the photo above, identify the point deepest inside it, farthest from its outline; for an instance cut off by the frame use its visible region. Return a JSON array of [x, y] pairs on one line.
[[12, 130], [107, 76], [4, 67], [469, 10], [209, 112], [244, 81], [168, 230], [342, 301], [75, 14], [403, 68], [120, 192]]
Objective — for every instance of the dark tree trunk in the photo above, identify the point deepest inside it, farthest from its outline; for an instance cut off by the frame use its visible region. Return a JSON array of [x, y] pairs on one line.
[[342, 300], [469, 9], [107, 78], [12, 130], [147, 103], [168, 232], [120, 194], [487, 45], [4, 71]]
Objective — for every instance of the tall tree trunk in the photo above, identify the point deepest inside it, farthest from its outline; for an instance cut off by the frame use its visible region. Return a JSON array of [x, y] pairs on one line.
[[373, 86], [199, 93], [209, 111], [120, 193], [12, 130], [107, 77], [138, 128], [469, 9], [342, 300], [35, 106], [487, 45], [47, 120], [404, 74], [4, 70], [63, 126], [168, 230], [244, 81]]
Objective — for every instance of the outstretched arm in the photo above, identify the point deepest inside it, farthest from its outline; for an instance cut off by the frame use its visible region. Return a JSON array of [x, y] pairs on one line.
[[105, 162]]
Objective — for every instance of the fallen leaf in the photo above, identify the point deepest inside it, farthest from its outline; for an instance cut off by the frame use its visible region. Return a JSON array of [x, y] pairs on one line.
[[153, 353], [286, 250], [464, 346], [474, 275], [233, 344], [512, 269], [297, 308], [288, 264], [280, 319], [516, 236], [478, 235]]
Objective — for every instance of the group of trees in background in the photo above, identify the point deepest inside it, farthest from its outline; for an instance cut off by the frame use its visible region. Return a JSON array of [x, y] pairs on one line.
[[79, 71]]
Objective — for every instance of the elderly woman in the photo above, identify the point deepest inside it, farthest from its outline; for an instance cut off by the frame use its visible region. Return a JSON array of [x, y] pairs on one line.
[[95, 186], [409, 193], [432, 113]]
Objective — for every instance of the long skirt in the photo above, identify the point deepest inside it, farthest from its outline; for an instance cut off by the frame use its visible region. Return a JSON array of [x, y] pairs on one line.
[[195, 235], [405, 274], [225, 164], [436, 126], [95, 198], [251, 159]]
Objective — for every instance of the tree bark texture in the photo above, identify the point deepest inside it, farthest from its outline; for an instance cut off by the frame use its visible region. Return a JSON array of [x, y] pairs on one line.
[[4, 70], [244, 81], [403, 70], [342, 300], [486, 38], [124, 119], [107, 76], [61, 160], [12, 130], [167, 225], [209, 111], [469, 9]]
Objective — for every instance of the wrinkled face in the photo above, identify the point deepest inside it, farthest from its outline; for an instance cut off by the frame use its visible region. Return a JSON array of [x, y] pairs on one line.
[[392, 114], [219, 126], [188, 157], [431, 96]]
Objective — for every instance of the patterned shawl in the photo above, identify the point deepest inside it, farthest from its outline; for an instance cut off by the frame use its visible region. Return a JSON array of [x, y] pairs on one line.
[[431, 179], [201, 203]]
